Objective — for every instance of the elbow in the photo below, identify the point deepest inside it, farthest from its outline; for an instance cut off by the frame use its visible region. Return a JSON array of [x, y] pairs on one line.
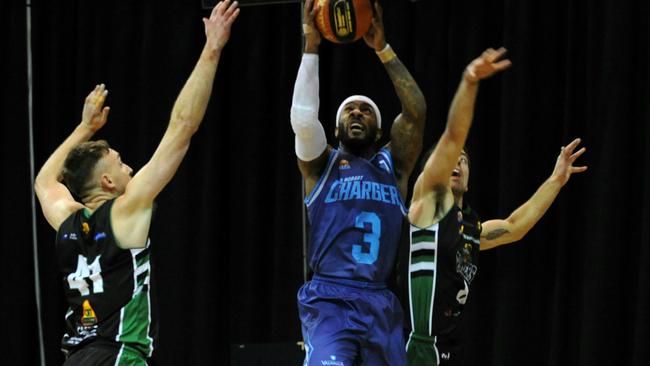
[[456, 133], [516, 233], [418, 109], [39, 187], [421, 112], [303, 119], [39, 183], [517, 237], [184, 125], [420, 104]]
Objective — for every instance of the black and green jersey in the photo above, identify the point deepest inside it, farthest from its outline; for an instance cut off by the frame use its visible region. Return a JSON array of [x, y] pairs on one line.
[[443, 261], [108, 289]]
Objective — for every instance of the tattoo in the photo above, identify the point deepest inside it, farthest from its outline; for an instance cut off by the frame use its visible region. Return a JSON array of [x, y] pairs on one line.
[[497, 233], [407, 130], [407, 90]]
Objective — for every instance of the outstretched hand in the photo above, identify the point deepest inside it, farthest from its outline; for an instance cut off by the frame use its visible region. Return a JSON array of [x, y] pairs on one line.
[[375, 37], [487, 65], [564, 164], [217, 27], [94, 114]]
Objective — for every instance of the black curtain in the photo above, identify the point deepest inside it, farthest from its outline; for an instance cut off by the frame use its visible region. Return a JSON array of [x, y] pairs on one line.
[[18, 314], [227, 232]]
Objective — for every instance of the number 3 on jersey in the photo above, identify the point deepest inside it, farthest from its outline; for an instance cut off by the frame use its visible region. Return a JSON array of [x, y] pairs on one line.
[[372, 237]]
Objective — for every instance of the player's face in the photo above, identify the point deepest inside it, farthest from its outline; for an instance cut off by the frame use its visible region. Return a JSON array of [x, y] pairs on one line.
[[357, 126], [460, 176], [117, 172]]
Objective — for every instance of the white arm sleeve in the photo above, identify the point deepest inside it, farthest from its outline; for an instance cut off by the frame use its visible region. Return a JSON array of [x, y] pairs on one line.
[[310, 135]]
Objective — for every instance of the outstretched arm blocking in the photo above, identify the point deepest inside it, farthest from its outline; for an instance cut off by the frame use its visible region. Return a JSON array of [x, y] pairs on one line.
[[515, 227], [187, 113], [431, 194], [131, 214], [56, 200], [442, 161]]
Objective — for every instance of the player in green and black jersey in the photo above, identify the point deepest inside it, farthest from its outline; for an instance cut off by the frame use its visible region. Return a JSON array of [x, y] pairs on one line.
[[103, 215], [446, 236]]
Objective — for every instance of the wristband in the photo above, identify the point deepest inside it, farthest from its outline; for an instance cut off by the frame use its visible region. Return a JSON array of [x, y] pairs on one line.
[[386, 54]]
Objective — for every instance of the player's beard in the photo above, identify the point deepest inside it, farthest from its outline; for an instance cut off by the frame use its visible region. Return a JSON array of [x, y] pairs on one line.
[[357, 145]]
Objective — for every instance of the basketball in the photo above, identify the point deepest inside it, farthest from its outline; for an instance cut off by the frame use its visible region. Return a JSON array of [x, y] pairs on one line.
[[343, 21]]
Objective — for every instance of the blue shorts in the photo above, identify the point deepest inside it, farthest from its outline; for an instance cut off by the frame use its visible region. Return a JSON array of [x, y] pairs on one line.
[[346, 323]]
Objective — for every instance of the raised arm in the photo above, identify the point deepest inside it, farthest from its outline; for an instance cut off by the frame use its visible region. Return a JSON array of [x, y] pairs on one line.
[[56, 201], [310, 143], [407, 129], [431, 195], [499, 232], [185, 120]]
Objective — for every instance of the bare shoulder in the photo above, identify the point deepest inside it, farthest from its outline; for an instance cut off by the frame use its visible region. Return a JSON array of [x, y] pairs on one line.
[[130, 223]]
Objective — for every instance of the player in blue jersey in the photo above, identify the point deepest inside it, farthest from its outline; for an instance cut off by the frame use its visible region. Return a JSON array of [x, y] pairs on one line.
[[103, 215], [355, 206], [446, 236]]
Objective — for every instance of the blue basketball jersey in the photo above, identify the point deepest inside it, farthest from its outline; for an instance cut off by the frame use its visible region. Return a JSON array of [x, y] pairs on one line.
[[356, 213]]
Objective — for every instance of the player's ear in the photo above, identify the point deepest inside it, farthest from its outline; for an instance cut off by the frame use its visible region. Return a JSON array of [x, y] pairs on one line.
[[106, 182]]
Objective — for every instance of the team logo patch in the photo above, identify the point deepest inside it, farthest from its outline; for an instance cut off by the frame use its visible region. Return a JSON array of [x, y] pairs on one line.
[[85, 228], [344, 164], [88, 318], [464, 265], [460, 216]]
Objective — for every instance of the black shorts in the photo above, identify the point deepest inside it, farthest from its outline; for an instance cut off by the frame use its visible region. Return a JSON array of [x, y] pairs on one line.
[[101, 354], [433, 351]]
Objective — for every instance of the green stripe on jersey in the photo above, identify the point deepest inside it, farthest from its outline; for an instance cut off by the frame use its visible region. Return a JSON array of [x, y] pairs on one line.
[[423, 238], [130, 357], [421, 289], [135, 324], [423, 258]]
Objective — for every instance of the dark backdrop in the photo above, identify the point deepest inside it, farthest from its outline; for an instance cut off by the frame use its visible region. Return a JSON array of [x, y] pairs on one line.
[[227, 235]]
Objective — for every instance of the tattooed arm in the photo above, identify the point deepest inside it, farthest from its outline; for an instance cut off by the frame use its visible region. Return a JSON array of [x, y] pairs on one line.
[[499, 232], [408, 128]]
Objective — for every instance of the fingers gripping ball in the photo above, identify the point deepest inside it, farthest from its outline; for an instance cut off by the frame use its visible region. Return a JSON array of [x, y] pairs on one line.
[[343, 21]]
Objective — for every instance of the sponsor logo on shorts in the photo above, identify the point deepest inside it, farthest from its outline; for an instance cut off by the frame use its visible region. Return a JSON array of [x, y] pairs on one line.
[[332, 362]]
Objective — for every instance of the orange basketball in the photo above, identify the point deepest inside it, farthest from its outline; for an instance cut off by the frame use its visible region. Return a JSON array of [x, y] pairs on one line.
[[343, 21]]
